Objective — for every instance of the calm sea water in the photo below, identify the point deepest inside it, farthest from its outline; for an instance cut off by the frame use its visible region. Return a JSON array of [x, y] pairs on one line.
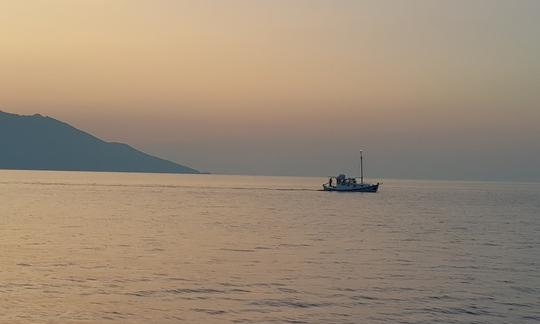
[[146, 248]]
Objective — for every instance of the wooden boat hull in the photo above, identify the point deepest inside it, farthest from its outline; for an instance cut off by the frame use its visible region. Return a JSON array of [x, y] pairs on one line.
[[352, 188]]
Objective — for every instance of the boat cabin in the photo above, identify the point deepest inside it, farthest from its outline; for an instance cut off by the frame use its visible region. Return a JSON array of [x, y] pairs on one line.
[[344, 181]]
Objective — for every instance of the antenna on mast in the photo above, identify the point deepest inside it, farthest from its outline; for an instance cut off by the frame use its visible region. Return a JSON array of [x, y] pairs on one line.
[[361, 168]]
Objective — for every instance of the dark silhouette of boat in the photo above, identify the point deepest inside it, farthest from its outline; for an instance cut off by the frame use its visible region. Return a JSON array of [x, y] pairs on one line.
[[343, 184]]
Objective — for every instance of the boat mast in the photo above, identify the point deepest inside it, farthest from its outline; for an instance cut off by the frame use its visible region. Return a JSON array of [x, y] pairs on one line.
[[361, 168]]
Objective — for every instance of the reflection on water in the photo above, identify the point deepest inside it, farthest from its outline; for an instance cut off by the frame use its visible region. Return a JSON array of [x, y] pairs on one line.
[[97, 247]]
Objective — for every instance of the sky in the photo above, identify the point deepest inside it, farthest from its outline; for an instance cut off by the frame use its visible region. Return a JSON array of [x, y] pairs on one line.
[[429, 89]]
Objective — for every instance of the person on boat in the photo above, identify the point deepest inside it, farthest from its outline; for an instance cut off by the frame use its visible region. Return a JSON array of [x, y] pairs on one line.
[[330, 181]]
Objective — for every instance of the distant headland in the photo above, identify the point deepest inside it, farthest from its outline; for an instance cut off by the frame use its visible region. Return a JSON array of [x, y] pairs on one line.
[[43, 143]]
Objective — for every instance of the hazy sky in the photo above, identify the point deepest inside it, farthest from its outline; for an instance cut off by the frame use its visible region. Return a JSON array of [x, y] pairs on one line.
[[429, 88]]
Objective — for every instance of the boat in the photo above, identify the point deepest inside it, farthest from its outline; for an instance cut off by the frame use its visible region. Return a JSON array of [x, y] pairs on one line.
[[343, 184]]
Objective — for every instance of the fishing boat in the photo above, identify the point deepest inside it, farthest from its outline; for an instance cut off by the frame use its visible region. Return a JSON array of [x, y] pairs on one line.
[[343, 184]]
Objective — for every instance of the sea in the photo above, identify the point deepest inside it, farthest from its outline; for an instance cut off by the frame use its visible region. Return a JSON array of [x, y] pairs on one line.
[[158, 248]]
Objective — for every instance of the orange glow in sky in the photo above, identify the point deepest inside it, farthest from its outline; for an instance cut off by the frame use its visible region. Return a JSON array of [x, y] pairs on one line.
[[276, 87]]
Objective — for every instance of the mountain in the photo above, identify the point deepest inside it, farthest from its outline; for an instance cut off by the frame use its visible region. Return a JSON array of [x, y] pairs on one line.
[[43, 143]]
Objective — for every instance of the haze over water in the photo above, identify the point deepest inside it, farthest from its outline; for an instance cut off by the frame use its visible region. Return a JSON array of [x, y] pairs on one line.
[[430, 89], [141, 248]]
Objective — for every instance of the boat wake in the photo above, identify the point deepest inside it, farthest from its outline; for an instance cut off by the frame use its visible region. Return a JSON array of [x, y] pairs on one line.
[[105, 185]]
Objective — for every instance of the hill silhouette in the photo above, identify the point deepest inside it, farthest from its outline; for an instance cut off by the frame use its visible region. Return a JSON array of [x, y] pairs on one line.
[[43, 143]]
